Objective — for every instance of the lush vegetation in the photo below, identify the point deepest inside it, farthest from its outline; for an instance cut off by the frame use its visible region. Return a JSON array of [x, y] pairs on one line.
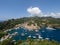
[[39, 20], [30, 42], [2, 34], [7, 42], [38, 42], [55, 22]]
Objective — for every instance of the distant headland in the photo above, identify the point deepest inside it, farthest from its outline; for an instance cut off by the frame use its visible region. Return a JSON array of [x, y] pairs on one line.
[[30, 23]]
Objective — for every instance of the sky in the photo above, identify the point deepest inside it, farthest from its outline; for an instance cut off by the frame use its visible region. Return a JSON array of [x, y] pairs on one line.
[[25, 8]]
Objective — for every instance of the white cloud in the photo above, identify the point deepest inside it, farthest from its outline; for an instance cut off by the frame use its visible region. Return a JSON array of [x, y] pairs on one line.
[[55, 15], [34, 11]]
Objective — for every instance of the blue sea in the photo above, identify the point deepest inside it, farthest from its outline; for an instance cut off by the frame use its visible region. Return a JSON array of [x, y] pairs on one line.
[[23, 34]]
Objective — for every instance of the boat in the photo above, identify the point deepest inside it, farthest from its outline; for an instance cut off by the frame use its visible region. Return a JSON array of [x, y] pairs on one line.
[[34, 36], [49, 28], [47, 38], [36, 30], [39, 37], [22, 34], [29, 36], [13, 40], [25, 33]]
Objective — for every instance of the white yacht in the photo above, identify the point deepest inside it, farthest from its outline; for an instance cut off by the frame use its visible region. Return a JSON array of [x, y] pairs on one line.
[[47, 38], [50, 28], [22, 34], [39, 37], [29, 36], [36, 30]]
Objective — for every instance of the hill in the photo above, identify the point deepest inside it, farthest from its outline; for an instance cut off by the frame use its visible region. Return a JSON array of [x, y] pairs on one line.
[[54, 22]]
